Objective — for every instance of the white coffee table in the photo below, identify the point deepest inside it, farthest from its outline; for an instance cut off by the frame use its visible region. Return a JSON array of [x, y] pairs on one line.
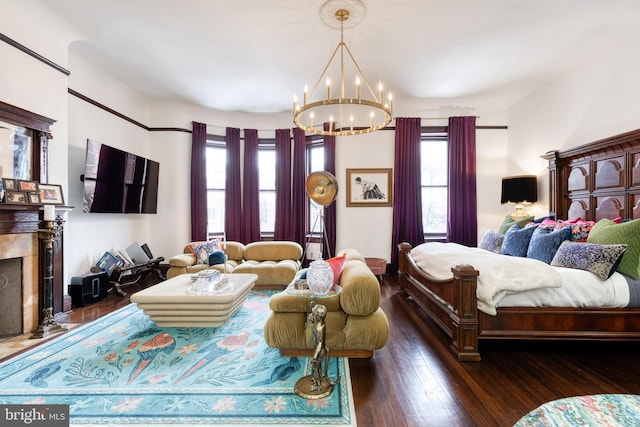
[[169, 305]]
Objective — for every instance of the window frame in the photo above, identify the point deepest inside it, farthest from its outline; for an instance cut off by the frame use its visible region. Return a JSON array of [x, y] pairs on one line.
[[426, 136], [314, 142], [218, 142]]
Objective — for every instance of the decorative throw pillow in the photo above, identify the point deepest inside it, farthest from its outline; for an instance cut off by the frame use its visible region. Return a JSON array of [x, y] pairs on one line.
[[492, 241], [607, 232], [545, 243], [216, 257], [202, 250], [601, 260], [544, 219], [337, 263], [580, 228], [508, 222], [516, 241]]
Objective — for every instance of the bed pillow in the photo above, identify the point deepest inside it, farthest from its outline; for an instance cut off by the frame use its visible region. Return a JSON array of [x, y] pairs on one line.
[[580, 228], [545, 243], [509, 222], [607, 232], [491, 241], [202, 250], [601, 260], [516, 240]]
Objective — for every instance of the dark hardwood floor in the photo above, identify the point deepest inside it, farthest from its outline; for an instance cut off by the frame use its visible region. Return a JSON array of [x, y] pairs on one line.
[[415, 381]]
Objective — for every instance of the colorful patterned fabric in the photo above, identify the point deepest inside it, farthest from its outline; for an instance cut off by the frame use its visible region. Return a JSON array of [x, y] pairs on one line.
[[612, 410], [124, 370], [202, 250], [601, 260]]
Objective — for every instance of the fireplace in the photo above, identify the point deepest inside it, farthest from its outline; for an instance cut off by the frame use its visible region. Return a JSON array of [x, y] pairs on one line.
[[19, 225], [22, 247]]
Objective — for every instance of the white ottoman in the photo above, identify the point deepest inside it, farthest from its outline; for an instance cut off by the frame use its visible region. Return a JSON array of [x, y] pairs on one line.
[[169, 305]]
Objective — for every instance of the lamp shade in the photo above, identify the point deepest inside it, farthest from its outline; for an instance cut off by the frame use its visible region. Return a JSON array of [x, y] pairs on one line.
[[519, 189]]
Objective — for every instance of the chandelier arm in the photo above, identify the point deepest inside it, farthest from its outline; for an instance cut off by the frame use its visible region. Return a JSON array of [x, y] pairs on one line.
[[326, 67], [364, 78]]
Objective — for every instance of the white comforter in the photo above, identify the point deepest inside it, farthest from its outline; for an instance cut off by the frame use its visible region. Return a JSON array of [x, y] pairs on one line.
[[506, 281], [499, 274]]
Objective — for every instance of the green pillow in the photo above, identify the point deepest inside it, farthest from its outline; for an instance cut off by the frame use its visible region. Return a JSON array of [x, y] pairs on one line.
[[508, 222], [607, 232]]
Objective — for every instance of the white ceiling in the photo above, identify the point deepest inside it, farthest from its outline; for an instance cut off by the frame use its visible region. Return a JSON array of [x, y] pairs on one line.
[[253, 55]]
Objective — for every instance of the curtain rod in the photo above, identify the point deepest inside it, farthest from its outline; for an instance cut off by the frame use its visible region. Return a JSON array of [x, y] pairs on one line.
[[273, 130]]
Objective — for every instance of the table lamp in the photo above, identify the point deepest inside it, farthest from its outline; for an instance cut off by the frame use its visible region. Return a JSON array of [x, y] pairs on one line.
[[519, 190]]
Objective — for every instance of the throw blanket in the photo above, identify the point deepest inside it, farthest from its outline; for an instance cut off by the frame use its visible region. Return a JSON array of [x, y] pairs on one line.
[[499, 274]]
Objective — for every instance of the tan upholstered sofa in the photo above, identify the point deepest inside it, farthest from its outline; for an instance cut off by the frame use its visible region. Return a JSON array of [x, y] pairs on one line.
[[275, 262], [356, 325]]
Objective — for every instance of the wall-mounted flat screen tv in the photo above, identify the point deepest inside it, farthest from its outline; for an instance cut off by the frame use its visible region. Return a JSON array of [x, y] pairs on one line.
[[116, 181]]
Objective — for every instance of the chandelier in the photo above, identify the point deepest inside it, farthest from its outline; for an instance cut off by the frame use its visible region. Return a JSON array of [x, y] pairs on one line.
[[353, 107]]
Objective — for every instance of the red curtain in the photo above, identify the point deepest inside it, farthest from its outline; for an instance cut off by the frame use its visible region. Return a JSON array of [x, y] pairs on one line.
[[250, 189], [198, 182], [462, 214], [407, 193], [233, 191], [298, 191], [284, 212]]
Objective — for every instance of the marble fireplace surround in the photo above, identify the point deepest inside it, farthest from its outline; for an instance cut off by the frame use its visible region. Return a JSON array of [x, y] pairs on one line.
[[25, 246]]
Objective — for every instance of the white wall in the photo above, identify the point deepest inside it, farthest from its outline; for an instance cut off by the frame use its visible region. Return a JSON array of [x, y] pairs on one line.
[[597, 100], [93, 234]]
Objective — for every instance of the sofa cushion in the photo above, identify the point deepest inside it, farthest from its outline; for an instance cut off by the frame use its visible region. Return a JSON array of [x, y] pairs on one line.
[[270, 272], [360, 289], [183, 260], [272, 251]]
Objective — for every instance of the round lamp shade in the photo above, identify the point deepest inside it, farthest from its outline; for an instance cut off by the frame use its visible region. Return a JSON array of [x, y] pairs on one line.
[[322, 187]]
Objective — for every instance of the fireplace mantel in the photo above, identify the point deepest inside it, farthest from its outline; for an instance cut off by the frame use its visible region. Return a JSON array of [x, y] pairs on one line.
[[28, 219]]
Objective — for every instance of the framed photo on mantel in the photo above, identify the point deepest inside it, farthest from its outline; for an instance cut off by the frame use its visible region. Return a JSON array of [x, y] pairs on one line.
[[51, 194]]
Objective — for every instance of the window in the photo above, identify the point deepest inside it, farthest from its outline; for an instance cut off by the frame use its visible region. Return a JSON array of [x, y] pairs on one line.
[[433, 178], [216, 177], [315, 162], [267, 187]]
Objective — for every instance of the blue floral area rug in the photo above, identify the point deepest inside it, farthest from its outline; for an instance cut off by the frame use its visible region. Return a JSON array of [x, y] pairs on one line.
[[612, 410], [124, 370]]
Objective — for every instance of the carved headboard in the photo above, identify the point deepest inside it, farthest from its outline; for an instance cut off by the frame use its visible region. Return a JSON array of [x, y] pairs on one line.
[[596, 180]]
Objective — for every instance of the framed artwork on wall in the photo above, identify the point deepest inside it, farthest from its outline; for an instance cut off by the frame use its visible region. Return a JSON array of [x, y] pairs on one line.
[[369, 187]]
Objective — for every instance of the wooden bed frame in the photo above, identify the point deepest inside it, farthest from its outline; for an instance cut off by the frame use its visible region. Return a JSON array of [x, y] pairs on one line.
[[592, 181]]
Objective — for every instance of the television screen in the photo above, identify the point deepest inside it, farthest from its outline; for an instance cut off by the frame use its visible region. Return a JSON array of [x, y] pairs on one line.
[[119, 182]]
